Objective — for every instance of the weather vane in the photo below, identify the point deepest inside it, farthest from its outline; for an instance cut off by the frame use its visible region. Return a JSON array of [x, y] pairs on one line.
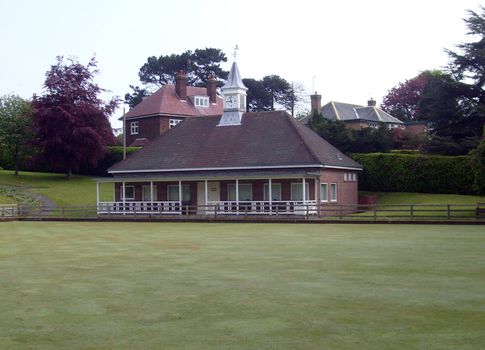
[[236, 49]]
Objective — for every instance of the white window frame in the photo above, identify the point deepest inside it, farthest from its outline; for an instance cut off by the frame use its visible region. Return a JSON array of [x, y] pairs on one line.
[[201, 101], [307, 190], [326, 192], [331, 192], [230, 185], [143, 193], [134, 128], [173, 123], [273, 186], [126, 187], [346, 178], [354, 177]]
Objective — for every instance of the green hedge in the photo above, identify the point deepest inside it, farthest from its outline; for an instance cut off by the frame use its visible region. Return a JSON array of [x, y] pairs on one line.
[[387, 172], [114, 155]]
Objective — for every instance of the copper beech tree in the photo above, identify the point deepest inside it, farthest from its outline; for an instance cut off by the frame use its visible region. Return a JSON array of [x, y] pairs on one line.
[[70, 120]]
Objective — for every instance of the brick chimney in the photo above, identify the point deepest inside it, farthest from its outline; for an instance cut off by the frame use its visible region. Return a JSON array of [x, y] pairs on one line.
[[316, 103], [181, 85], [211, 89], [371, 103]]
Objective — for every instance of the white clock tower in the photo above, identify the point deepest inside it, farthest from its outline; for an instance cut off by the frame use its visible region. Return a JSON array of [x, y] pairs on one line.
[[234, 93]]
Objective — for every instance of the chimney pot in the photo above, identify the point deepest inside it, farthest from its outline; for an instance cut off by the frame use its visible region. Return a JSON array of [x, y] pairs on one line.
[[371, 102], [181, 85]]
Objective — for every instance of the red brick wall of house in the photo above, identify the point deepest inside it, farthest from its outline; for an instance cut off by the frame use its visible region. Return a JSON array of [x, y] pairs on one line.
[[357, 125], [347, 191], [147, 128], [418, 129]]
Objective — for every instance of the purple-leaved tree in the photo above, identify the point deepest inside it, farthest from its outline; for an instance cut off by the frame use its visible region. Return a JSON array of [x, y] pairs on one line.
[[70, 120]]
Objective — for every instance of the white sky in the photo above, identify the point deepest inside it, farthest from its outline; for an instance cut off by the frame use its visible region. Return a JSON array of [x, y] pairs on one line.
[[356, 49]]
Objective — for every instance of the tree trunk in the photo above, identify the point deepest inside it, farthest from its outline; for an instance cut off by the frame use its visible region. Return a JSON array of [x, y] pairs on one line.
[[16, 159]]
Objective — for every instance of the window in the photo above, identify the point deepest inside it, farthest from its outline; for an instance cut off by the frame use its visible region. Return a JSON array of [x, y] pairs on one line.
[[333, 192], [134, 128], [245, 192], [324, 192], [346, 178], [129, 192], [297, 192], [275, 192], [147, 193], [201, 101], [173, 192], [173, 122], [354, 177]]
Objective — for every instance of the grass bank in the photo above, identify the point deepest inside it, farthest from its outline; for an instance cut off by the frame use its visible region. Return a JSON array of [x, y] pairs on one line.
[[77, 191], [241, 286]]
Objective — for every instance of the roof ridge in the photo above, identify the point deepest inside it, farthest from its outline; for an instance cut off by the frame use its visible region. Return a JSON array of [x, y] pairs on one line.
[[293, 124], [335, 110]]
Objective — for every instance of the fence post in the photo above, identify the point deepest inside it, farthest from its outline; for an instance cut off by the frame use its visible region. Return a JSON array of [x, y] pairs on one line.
[[215, 210], [448, 211], [307, 211], [62, 212], [412, 211], [375, 212]]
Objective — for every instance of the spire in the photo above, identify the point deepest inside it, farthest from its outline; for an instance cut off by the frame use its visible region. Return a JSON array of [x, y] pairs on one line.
[[234, 80], [234, 93]]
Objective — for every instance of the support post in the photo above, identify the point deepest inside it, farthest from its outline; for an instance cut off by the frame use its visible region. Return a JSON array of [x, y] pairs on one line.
[[206, 198], [180, 197], [97, 197], [151, 195], [237, 196], [304, 190], [124, 196], [270, 194]]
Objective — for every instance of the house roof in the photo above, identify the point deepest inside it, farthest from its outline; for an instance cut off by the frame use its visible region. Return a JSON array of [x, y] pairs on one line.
[[350, 112], [166, 101], [263, 140]]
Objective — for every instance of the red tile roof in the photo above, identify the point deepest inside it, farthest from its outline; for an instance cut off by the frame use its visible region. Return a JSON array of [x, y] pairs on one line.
[[264, 139], [165, 101]]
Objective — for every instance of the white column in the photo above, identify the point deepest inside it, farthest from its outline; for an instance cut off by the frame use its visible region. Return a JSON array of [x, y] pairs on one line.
[[97, 193], [180, 196], [270, 195], [206, 198], [316, 190], [304, 188], [151, 195], [237, 196], [123, 192]]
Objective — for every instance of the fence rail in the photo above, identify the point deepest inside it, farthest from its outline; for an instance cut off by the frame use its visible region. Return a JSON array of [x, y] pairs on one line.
[[313, 211]]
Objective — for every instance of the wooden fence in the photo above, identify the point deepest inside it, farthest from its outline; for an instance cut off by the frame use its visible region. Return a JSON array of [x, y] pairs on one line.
[[401, 212]]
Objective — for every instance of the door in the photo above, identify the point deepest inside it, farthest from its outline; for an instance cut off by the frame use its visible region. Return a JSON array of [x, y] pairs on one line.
[[213, 195]]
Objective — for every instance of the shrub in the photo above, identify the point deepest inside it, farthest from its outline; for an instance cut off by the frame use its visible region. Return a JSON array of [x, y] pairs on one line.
[[114, 155], [390, 172]]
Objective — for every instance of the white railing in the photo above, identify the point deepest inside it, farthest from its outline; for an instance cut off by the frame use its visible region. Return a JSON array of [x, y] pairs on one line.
[[159, 207], [265, 207], [9, 210]]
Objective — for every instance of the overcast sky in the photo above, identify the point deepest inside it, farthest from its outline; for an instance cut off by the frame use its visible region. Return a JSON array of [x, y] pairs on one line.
[[354, 49]]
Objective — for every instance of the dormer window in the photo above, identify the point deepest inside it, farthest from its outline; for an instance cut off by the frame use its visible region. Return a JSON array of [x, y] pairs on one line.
[[201, 101]]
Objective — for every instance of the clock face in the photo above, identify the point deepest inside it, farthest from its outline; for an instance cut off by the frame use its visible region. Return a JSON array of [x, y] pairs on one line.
[[231, 101]]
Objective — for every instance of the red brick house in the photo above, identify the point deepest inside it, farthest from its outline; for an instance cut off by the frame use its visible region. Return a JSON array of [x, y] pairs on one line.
[[167, 107], [256, 163]]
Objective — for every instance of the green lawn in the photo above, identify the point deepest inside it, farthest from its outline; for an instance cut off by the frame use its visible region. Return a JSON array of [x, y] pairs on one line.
[[386, 198], [241, 286], [77, 191]]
